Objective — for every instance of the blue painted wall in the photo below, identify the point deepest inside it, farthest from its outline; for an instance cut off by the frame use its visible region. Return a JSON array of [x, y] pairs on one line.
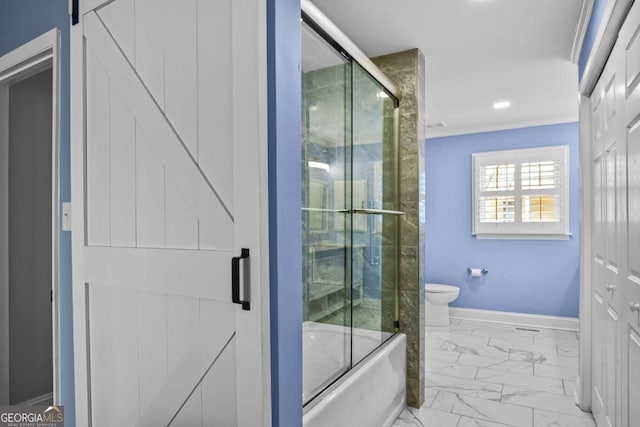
[[597, 13], [20, 22], [285, 218], [525, 276]]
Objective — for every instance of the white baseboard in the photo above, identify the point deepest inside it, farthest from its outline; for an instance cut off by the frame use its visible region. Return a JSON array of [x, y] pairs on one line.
[[45, 399], [520, 319]]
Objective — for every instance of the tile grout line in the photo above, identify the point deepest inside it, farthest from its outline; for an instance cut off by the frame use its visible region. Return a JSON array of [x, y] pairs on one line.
[[533, 417]]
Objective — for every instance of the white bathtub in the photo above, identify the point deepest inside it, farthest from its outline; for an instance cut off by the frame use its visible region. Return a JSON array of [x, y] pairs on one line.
[[370, 395]]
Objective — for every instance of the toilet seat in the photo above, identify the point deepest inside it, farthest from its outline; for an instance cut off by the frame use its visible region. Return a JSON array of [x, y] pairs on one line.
[[438, 288]]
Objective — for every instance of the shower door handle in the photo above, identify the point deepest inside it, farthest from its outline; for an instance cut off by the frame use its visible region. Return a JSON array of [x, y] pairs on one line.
[[377, 212], [326, 210], [235, 279]]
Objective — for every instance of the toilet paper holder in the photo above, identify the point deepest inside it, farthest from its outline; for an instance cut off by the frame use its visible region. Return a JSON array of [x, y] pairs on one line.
[[483, 271]]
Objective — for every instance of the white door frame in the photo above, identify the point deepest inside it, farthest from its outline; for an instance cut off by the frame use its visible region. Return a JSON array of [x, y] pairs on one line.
[[29, 59], [612, 20]]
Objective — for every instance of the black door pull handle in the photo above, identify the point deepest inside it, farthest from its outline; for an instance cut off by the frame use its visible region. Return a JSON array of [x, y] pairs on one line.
[[235, 279]]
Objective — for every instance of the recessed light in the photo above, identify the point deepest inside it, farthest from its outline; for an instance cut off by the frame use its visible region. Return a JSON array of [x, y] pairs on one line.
[[382, 94], [501, 104], [313, 108]]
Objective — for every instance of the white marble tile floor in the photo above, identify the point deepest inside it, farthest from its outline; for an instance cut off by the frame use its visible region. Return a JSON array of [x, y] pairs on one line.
[[481, 374]]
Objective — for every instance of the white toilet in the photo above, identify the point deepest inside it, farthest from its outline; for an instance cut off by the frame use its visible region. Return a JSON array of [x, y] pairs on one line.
[[438, 297]]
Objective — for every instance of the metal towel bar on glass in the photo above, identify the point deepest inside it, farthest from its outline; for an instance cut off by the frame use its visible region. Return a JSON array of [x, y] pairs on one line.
[[357, 211]]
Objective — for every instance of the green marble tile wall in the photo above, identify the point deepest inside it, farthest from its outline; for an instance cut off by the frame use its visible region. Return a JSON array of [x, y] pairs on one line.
[[407, 70]]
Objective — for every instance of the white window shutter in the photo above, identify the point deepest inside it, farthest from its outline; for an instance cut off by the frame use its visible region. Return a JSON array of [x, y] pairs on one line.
[[520, 193]]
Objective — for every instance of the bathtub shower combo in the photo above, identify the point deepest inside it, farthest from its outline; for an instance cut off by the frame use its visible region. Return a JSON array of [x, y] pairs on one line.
[[353, 356]]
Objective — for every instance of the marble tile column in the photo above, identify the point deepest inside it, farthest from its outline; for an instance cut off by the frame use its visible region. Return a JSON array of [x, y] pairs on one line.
[[406, 70]]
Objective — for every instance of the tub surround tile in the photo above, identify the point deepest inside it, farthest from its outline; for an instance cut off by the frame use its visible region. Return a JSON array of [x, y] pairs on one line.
[[410, 227], [324, 78], [388, 310], [409, 267], [404, 70], [413, 393], [543, 418]]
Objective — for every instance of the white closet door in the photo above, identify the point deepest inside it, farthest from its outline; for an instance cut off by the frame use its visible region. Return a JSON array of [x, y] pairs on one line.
[[616, 316], [168, 171], [607, 222], [630, 236]]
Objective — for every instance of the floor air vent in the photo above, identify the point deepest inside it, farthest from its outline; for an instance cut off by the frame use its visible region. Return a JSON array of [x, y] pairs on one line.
[[519, 328]]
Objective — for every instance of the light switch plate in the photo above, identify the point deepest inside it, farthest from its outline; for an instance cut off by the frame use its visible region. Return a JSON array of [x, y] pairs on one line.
[[66, 216]]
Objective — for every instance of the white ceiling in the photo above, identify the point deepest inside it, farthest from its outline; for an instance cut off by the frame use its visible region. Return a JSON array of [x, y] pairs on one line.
[[477, 52]]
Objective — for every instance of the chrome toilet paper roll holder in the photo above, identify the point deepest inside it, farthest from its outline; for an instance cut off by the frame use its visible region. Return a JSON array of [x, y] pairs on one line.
[[483, 271]]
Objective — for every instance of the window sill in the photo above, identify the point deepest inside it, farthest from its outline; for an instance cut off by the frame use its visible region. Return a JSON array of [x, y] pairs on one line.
[[522, 236]]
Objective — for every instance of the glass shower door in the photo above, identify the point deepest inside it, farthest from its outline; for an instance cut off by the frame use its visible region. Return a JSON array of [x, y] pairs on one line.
[[350, 220], [376, 214], [326, 203]]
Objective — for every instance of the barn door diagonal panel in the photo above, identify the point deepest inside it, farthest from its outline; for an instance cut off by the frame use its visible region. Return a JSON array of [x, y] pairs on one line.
[[127, 96]]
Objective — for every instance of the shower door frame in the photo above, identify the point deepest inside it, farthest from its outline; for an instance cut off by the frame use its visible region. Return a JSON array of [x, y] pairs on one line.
[[331, 34], [339, 40]]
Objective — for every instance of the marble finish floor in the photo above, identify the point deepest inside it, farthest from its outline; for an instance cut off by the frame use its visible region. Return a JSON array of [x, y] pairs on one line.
[[494, 375]]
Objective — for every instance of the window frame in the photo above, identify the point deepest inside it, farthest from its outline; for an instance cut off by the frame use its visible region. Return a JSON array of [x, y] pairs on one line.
[[517, 229]]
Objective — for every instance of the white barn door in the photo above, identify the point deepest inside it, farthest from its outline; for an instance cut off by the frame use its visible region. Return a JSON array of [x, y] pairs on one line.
[[169, 184]]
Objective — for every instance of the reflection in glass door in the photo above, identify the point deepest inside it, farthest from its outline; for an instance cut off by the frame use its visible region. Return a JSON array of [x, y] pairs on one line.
[[326, 231], [350, 212], [374, 169]]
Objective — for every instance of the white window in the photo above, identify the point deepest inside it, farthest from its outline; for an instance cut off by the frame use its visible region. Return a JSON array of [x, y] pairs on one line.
[[521, 194]]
